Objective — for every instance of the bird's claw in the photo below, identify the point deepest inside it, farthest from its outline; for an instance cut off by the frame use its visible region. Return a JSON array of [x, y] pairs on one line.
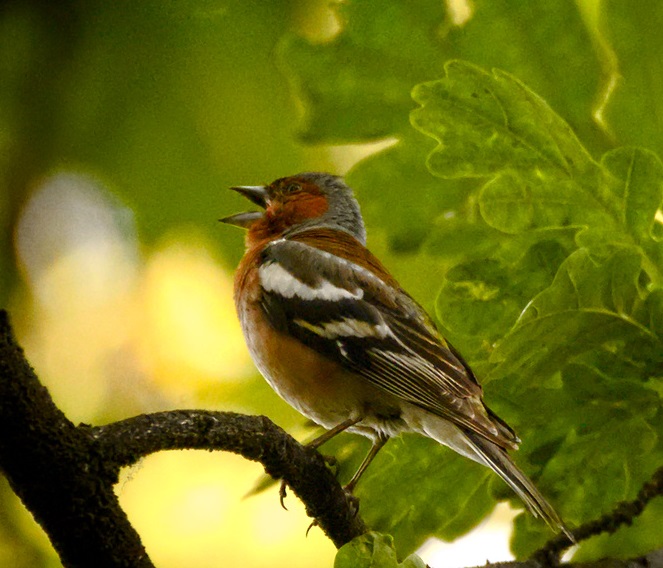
[[313, 524], [353, 502], [283, 493]]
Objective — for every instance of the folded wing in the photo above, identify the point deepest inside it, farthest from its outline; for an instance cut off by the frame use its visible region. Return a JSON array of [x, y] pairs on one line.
[[366, 322]]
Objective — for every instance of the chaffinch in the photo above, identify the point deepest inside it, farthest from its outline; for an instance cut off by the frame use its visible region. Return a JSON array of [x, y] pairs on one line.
[[337, 337]]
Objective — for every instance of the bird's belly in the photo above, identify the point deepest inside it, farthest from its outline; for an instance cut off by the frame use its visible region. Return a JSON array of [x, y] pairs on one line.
[[318, 387]]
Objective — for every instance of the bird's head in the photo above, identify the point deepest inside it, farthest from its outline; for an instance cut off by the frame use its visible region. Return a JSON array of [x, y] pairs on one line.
[[299, 202]]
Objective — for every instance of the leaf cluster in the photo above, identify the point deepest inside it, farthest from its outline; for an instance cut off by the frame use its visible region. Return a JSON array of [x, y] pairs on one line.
[[520, 202]]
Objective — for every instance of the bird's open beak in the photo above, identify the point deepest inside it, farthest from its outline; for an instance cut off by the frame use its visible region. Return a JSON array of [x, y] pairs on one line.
[[255, 193]]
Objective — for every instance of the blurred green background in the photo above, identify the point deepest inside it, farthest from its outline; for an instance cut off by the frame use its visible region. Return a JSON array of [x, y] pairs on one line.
[[121, 127]]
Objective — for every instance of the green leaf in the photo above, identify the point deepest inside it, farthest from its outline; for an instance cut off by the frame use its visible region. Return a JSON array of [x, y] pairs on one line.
[[614, 389], [640, 174], [484, 298], [654, 307], [488, 123], [432, 490], [514, 204], [589, 303], [459, 236], [357, 85], [634, 110], [551, 231], [475, 299], [373, 550], [596, 467], [643, 535], [545, 44], [491, 125]]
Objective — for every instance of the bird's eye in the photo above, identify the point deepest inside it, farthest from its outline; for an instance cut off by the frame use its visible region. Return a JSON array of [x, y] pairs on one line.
[[292, 188]]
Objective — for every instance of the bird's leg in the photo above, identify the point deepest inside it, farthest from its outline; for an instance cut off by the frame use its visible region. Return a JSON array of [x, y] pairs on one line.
[[380, 441], [329, 434], [317, 442]]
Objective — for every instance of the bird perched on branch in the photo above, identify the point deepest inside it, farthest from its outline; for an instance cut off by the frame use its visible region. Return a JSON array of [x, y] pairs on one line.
[[337, 337]]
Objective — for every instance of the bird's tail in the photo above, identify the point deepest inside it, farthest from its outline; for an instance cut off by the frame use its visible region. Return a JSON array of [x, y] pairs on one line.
[[498, 460]]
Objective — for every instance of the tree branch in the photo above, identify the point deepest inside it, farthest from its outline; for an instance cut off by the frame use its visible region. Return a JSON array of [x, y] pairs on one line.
[[624, 513], [652, 560], [65, 474], [52, 467], [254, 437]]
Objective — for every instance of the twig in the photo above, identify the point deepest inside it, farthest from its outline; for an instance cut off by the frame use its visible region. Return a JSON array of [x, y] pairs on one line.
[[624, 513]]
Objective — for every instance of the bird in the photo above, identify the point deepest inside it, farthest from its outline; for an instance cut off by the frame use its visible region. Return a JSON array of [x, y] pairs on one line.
[[336, 336]]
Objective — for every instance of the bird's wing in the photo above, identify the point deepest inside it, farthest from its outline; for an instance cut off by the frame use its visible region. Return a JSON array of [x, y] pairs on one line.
[[366, 322]]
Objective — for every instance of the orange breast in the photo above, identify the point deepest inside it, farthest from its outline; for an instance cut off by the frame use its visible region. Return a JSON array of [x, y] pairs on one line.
[[315, 385]]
